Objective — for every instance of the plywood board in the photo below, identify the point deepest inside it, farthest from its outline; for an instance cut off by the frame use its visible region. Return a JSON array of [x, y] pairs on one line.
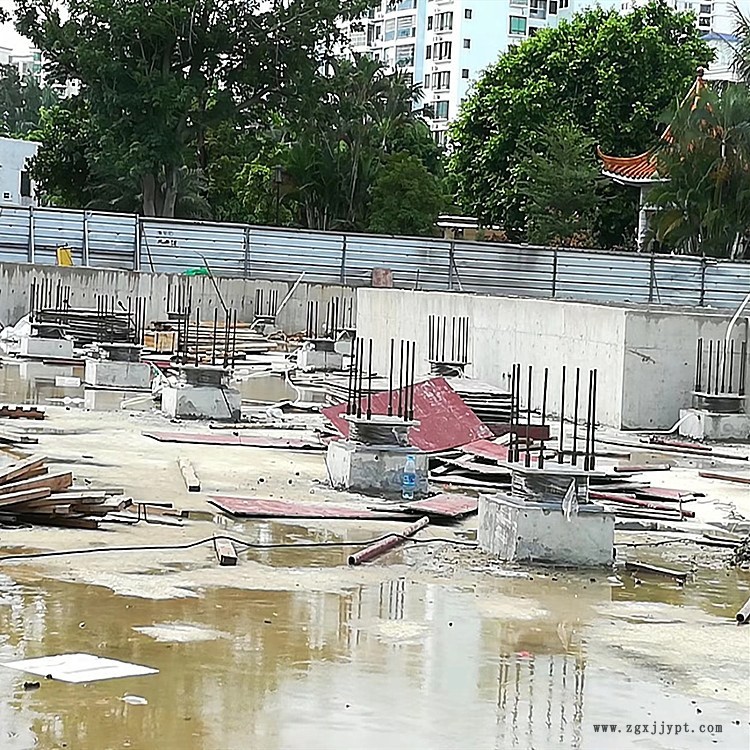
[[79, 668]]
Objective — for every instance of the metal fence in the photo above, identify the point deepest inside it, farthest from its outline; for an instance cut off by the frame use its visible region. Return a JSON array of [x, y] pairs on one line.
[[32, 235]]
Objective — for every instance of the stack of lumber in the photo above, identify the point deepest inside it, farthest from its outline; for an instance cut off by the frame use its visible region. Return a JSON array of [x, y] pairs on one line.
[[489, 403], [31, 494], [86, 326], [241, 339]]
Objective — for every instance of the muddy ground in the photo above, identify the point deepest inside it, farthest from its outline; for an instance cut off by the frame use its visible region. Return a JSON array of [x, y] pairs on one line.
[[434, 646]]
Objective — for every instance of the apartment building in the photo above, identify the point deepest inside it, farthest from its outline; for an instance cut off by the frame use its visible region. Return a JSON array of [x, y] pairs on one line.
[[446, 44]]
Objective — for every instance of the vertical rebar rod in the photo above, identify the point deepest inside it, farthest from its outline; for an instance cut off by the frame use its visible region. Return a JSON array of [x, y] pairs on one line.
[[429, 338], [213, 338], [32, 300], [710, 364], [527, 443], [699, 366], [400, 377], [742, 368], [731, 366], [413, 370], [390, 378], [197, 332], [724, 367], [593, 423], [544, 416], [352, 367], [234, 338], [359, 378], [718, 362], [576, 402], [445, 335], [587, 454], [369, 382], [519, 383], [562, 417], [511, 416], [466, 341], [406, 382], [453, 339]]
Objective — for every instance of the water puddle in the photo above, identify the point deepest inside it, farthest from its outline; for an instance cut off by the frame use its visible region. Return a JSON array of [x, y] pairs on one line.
[[495, 664]]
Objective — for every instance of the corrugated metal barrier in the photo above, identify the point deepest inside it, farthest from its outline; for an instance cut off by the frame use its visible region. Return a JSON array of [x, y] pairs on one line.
[[124, 241]]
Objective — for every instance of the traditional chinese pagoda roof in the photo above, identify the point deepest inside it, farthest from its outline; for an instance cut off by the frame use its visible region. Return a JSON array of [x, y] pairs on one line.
[[643, 169]]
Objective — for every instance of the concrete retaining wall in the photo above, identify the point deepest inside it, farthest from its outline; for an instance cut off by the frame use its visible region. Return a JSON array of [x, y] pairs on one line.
[[645, 356], [87, 283]]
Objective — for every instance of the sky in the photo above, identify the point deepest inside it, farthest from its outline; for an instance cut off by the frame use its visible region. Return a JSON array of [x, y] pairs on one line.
[[8, 35]]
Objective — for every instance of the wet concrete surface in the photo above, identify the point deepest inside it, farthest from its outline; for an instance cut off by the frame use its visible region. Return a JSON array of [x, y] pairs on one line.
[[433, 647]]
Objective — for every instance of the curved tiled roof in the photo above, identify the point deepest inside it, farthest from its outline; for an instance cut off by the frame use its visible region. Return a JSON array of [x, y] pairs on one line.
[[643, 168]]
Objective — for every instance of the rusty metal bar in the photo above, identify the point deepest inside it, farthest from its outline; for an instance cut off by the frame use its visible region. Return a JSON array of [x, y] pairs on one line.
[[375, 550]]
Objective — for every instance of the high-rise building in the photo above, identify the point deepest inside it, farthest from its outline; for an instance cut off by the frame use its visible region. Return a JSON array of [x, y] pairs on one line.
[[446, 44]]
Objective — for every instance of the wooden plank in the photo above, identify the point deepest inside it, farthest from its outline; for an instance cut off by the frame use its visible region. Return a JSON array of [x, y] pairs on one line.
[[14, 498], [67, 521], [192, 482], [53, 482], [724, 477], [635, 567], [225, 552], [21, 469]]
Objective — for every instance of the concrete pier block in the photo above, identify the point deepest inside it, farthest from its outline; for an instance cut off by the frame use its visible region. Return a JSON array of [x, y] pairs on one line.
[[42, 348], [128, 376], [321, 361], [375, 470], [518, 531], [700, 424], [201, 402]]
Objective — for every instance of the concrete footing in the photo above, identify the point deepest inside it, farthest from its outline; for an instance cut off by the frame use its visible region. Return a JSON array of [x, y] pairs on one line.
[[201, 402], [44, 348], [518, 531], [700, 424], [128, 376], [315, 359], [374, 470]]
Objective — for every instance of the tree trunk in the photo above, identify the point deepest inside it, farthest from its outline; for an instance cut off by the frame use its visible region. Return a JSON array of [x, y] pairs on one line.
[[148, 188], [170, 192]]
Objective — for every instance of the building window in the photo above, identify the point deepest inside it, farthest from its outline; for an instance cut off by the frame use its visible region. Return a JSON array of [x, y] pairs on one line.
[[533, 30], [427, 81], [390, 30], [406, 4], [445, 21], [467, 43], [442, 80], [405, 27], [563, 3], [408, 79], [428, 52], [440, 137], [441, 110], [25, 184], [467, 13], [552, 7], [705, 10], [443, 50], [358, 38], [517, 25], [429, 24], [538, 8], [704, 22], [405, 56], [519, 3], [464, 73]]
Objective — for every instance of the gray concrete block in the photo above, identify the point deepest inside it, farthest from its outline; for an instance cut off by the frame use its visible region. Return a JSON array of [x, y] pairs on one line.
[[201, 402], [103, 373], [704, 425]]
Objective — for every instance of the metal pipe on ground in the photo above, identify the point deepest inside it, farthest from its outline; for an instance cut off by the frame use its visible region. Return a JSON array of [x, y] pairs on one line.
[[372, 551], [743, 616]]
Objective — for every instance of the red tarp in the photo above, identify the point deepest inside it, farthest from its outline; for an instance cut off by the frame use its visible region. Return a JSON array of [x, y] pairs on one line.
[[453, 506], [487, 449], [250, 441], [254, 507], [445, 421]]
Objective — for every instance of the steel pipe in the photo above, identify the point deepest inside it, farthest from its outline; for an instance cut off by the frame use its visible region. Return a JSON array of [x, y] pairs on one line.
[[372, 551], [743, 616]]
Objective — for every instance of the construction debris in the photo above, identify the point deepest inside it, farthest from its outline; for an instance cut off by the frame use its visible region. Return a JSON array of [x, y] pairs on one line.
[[226, 553], [250, 441], [29, 494], [385, 545], [16, 411], [192, 483]]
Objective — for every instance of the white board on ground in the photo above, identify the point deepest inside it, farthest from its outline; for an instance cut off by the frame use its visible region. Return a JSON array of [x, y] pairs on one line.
[[66, 381], [79, 668]]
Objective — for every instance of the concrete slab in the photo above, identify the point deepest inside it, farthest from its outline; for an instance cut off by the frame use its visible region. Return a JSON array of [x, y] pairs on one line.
[[41, 348], [201, 402], [129, 376], [700, 424]]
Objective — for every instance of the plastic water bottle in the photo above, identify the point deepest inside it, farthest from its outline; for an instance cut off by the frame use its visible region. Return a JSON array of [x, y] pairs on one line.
[[409, 479]]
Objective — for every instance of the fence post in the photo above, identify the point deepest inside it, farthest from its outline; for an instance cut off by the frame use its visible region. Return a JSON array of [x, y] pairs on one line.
[[32, 243], [554, 271], [137, 244], [451, 262], [246, 269], [342, 275], [651, 277], [703, 282], [85, 247]]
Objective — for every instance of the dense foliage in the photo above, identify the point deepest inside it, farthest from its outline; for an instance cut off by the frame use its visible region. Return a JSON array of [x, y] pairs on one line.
[[612, 75]]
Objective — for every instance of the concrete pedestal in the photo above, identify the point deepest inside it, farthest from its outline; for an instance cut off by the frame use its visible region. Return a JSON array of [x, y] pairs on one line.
[[313, 359], [201, 402], [704, 425], [518, 531], [41, 348], [374, 470], [128, 376]]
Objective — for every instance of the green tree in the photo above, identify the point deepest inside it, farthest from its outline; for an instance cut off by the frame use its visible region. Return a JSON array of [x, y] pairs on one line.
[[406, 198], [157, 75], [611, 74], [557, 177], [703, 206], [22, 103]]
